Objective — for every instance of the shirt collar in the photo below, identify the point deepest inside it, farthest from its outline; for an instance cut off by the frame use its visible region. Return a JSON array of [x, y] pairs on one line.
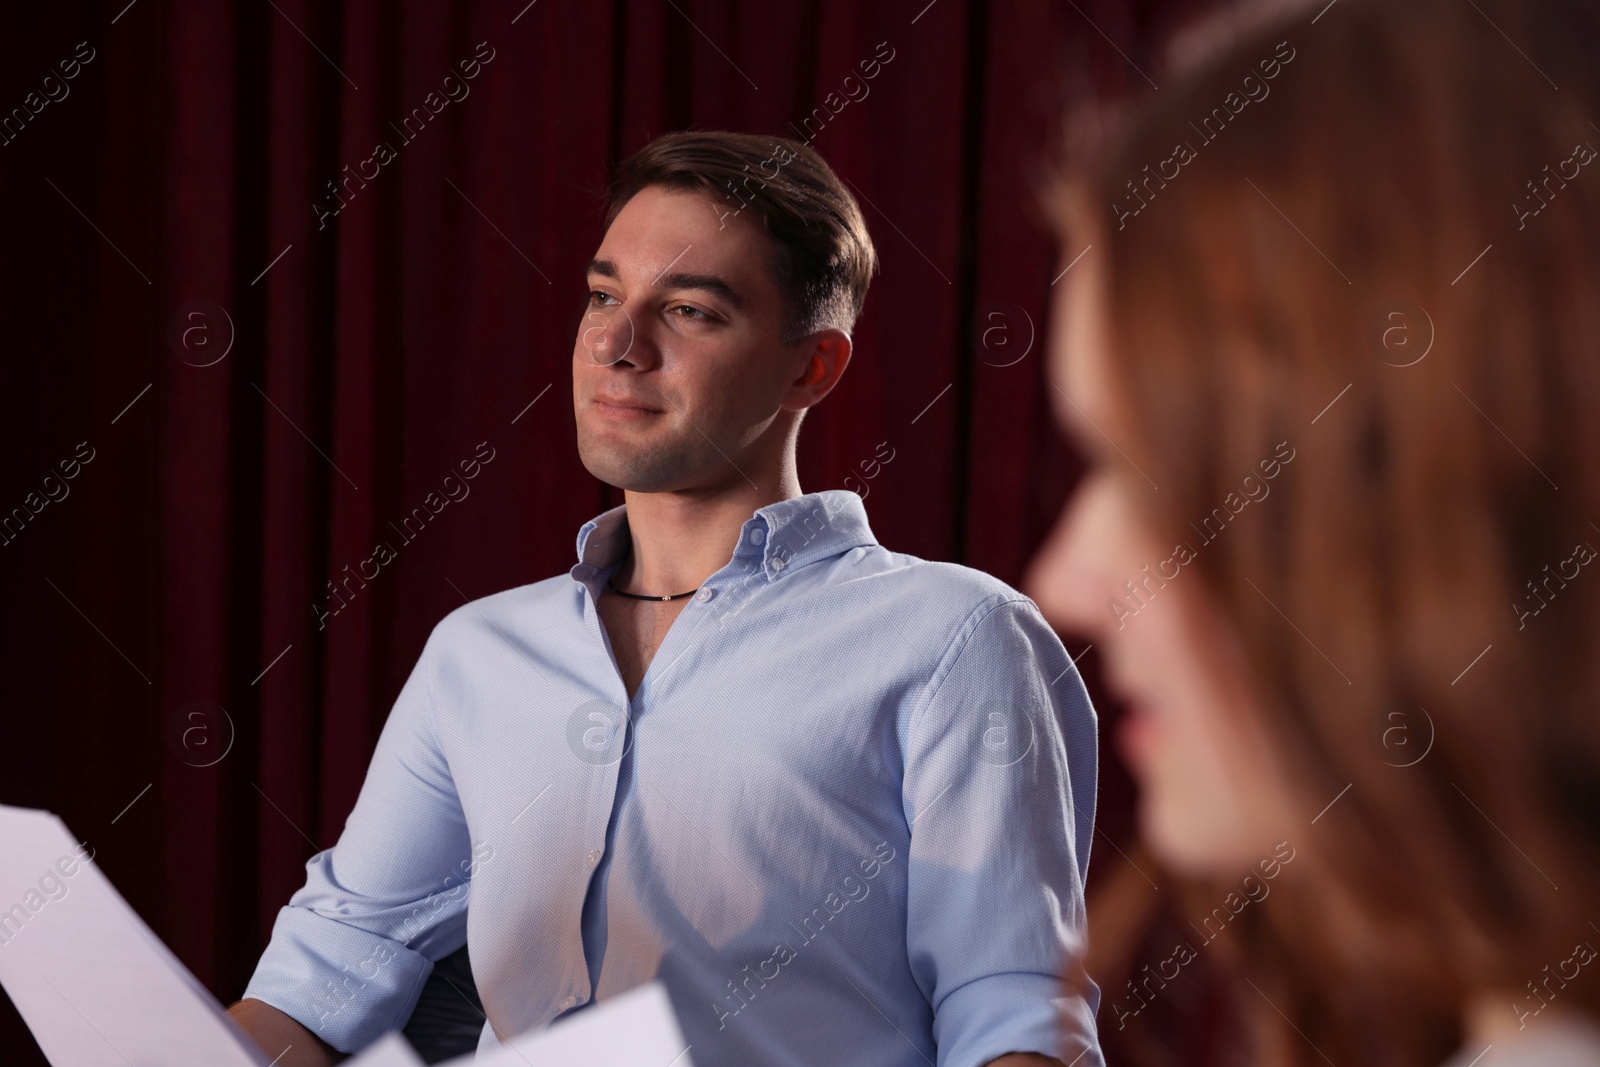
[[779, 538]]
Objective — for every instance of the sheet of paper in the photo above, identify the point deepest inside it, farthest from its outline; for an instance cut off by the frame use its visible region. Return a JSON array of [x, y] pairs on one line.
[[93, 983], [633, 1029], [391, 1050]]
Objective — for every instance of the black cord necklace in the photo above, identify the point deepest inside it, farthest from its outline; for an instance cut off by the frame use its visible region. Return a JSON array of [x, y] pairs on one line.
[[637, 596]]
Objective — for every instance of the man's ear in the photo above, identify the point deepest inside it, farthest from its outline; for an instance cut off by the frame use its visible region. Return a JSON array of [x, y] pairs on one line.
[[826, 354]]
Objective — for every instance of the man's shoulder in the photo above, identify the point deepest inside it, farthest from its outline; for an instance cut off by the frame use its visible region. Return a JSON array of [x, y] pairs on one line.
[[937, 589], [510, 611]]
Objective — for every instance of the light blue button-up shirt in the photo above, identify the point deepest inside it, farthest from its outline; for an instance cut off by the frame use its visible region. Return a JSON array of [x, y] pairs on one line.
[[845, 819]]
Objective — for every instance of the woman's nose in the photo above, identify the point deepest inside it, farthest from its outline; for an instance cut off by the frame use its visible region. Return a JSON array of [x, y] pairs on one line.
[[1065, 577]]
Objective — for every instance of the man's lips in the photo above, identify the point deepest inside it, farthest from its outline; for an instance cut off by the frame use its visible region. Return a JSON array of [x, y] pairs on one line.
[[623, 406]]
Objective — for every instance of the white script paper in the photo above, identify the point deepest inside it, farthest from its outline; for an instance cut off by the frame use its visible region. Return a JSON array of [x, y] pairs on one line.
[[391, 1050], [632, 1029], [93, 983]]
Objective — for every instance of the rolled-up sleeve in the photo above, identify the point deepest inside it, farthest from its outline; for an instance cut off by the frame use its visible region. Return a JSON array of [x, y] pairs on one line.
[[999, 790], [351, 950]]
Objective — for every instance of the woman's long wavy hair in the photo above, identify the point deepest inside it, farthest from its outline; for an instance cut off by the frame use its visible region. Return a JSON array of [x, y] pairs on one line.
[[1388, 256]]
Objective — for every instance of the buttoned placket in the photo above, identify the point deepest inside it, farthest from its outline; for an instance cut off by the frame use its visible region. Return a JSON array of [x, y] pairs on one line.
[[603, 785]]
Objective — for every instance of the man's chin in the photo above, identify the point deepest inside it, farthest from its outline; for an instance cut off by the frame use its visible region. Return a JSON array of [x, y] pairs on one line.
[[641, 477]]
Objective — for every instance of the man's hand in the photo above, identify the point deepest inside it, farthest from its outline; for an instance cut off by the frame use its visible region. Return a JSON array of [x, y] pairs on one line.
[[281, 1035]]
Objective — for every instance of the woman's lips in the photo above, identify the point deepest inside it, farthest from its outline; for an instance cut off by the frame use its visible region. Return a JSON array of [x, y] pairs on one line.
[[1136, 733]]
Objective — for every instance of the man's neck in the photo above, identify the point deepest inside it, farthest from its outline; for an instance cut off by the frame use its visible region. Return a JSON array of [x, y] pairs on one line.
[[678, 540]]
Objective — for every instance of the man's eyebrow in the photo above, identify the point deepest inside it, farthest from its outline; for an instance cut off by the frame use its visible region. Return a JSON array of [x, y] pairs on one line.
[[708, 283]]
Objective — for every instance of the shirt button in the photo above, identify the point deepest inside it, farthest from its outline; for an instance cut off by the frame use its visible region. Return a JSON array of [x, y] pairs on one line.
[[593, 857], [757, 536], [705, 594], [569, 1002], [777, 565]]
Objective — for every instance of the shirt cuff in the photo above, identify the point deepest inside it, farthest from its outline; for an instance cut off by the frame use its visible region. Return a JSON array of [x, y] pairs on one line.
[[987, 1018], [347, 986]]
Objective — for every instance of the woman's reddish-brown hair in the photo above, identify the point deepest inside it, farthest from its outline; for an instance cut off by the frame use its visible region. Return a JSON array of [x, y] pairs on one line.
[[1387, 256]]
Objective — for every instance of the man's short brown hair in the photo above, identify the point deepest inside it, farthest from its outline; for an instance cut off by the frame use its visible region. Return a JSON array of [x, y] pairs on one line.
[[823, 257]]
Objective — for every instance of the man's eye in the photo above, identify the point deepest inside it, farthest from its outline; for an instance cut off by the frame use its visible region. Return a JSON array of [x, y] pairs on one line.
[[693, 314], [598, 298]]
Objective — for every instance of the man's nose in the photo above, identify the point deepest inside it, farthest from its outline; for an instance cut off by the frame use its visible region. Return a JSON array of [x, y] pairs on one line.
[[608, 335]]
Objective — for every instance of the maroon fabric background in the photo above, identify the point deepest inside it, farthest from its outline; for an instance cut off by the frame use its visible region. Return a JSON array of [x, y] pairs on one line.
[[380, 349]]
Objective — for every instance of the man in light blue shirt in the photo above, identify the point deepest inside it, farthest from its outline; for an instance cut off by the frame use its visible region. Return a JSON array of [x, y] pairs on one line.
[[837, 799]]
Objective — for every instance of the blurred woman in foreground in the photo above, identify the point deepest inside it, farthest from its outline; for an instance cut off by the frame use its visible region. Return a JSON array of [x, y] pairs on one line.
[[1333, 347]]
